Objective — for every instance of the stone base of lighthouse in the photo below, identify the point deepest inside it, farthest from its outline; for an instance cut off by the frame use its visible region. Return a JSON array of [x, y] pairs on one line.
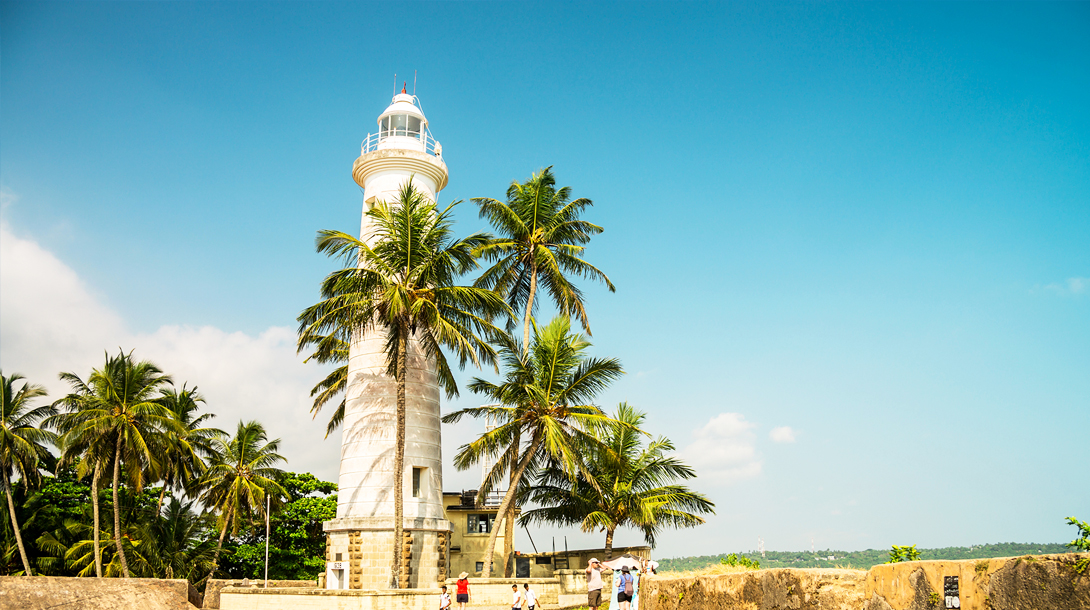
[[359, 552]]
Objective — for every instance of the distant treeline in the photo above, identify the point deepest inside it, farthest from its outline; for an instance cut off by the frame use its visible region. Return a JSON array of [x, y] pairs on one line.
[[863, 560]]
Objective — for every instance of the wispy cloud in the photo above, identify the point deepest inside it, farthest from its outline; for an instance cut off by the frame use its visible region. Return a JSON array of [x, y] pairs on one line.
[[51, 322], [782, 434], [1073, 285], [724, 450]]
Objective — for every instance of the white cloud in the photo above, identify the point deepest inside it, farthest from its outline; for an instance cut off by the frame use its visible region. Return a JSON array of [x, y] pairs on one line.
[[723, 450], [1073, 285], [783, 434], [51, 322]]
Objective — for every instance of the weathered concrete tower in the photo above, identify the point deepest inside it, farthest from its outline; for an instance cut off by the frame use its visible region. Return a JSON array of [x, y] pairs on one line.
[[359, 542]]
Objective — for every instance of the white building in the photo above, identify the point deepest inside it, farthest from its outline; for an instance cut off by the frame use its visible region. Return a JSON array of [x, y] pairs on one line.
[[359, 542]]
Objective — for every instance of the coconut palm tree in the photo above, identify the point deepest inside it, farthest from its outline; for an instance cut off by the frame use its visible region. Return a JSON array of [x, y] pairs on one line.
[[624, 484], [89, 451], [403, 288], [241, 472], [22, 442], [177, 545], [182, 454], [119, 402], [544, 397], [540, 240]]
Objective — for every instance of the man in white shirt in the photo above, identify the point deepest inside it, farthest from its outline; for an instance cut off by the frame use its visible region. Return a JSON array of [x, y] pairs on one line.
[[594, 584], [529, 596], [516, 598]]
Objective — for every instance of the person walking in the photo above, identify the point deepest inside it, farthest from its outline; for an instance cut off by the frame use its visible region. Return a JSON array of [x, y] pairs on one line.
[[444, 599], [516, 598], [594, 584], [463, 590], [626, 589], [529, 596]]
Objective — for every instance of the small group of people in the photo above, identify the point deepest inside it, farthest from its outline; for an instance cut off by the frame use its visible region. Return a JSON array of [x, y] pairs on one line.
[[527, 596], [626, 583]]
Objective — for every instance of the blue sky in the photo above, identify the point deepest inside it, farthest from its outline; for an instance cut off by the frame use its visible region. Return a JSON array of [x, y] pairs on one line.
[[851, 241]]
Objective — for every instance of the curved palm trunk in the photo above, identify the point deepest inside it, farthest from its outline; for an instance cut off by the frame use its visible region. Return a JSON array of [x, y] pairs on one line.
[[609, 543], [219, 547], [117, 512], [15, 525], [529, 306], [508, 501], [509, 517], [94, 510], [398, 581]]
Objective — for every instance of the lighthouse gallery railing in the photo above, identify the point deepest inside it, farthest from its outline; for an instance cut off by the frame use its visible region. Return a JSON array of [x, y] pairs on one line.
[[373, 140]]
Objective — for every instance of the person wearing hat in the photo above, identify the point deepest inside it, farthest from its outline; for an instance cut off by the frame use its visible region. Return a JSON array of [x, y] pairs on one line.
[[463, 590], [626, 589], [594, 584]]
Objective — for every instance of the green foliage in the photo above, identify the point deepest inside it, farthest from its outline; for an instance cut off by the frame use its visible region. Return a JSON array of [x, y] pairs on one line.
[[863, 560], [903, 553], [1082, 542], [735, 560], [297, 544], [624, 483]]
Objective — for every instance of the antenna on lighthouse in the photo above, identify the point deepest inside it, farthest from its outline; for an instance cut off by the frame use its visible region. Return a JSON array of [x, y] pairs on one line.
[[395, 84], [414, 83]]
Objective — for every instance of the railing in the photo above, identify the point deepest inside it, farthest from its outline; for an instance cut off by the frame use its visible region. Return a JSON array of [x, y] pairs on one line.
[[427, 143], [494, 498]]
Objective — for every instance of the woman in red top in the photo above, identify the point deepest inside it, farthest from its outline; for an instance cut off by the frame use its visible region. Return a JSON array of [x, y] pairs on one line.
[[463, 590]]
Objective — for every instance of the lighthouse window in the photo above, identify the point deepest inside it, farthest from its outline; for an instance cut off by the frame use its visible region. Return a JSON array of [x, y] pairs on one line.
[[401, 125], [416, 481]]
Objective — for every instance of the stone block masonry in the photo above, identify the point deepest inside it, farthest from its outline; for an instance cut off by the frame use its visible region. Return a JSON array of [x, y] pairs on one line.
[[54, 592]]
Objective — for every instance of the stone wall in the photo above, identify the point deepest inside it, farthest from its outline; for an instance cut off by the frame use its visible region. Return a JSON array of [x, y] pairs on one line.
[[815, 589], [216, 585], [1017, 583], [42, 592]]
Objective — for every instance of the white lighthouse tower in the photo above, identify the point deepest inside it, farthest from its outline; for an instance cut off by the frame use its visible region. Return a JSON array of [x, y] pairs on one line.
[[359, 542]]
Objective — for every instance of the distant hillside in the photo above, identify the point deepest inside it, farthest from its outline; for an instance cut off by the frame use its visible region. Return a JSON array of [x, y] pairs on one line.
[[863, 560]]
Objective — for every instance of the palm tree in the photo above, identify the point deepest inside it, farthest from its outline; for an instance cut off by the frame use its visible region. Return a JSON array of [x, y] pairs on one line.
[[119, 402], [545, 396], [541, 238], [22, 442], [241, 472], [177, 545], [403, 288], [624, 484], [181, 453], [89, 451]]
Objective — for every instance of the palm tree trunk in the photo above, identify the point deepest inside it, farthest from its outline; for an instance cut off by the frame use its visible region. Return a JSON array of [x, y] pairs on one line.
[[509, 518], [529, 306], [15, 525], [94, 510], [609, 543], [117, 511], [219, 547], [159, 505], [399, 459], [508, 500]]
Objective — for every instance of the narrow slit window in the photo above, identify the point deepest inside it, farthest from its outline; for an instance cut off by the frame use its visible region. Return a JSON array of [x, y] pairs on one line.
[[416, 481]]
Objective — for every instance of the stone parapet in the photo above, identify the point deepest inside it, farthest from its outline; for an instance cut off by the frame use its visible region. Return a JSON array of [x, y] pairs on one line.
[[52, 592]]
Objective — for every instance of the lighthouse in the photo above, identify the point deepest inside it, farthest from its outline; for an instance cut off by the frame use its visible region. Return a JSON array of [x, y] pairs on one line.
[[359, 542]]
